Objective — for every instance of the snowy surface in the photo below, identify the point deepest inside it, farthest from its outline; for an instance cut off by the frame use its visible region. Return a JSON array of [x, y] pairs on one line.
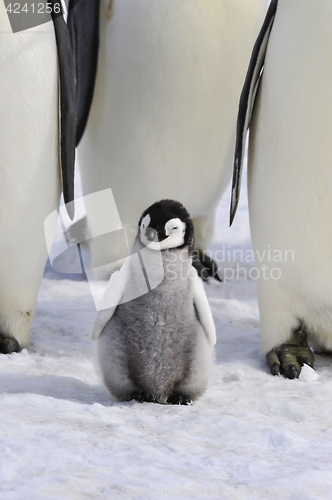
[[251, 435]]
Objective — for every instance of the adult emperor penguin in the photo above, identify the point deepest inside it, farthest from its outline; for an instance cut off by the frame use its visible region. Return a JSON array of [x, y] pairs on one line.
[[33, 149], [157, 346], [162, 121], [290, 178]]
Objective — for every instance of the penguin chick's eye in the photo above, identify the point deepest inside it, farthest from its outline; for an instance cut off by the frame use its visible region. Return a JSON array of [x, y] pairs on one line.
[[174, 226]]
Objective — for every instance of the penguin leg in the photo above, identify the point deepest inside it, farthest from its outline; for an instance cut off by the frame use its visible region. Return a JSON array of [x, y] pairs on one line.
[[288, 358]]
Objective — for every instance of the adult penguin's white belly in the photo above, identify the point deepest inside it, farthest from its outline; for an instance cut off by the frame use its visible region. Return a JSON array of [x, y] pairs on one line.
[[290, 174], [163, 116], [29, 167]]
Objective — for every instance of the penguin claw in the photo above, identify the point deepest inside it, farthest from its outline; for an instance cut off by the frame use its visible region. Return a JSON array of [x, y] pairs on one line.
[[8, 345], [292, 372], [273, 362], [288, 358], [275, 369]]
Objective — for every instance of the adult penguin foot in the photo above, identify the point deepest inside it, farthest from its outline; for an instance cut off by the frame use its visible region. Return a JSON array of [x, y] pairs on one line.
[[205, 266], [8, 345], [288, 358]]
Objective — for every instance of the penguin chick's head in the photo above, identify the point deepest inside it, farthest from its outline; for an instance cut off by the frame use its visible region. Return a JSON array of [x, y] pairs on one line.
[[166, 224]]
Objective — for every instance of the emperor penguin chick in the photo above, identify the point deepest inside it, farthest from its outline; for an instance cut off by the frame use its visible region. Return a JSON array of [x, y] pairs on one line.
[[155, 339]]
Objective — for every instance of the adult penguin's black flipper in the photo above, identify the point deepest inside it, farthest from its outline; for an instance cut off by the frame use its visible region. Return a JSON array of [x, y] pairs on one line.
[[83, 25], [247, 101], [67, 109]]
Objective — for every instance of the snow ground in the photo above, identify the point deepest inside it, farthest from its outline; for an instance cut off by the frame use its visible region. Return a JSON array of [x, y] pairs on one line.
[[250, 436]]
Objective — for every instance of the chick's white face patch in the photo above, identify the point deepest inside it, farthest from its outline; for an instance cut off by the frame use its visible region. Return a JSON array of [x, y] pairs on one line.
[[174, 229]]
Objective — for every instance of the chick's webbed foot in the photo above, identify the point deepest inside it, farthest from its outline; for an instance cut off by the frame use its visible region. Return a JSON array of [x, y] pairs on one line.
[[178, 398], [288, 358], [143, 397]]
